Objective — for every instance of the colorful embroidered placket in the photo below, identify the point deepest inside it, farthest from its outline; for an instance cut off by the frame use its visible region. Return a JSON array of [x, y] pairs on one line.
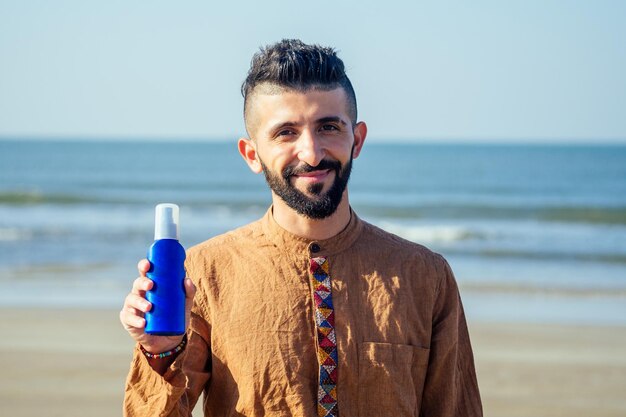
[[326, 342]]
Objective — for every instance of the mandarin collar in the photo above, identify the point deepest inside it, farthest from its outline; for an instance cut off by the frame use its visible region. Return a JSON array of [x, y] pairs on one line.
[[299, 245]]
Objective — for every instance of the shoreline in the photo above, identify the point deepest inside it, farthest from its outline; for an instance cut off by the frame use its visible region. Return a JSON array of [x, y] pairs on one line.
[[73, 362]]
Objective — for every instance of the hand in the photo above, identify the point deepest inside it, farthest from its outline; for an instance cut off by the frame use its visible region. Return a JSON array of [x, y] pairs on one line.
[[136, 305]]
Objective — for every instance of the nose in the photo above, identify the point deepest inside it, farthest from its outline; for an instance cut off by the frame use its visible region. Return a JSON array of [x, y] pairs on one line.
[[309, 149]]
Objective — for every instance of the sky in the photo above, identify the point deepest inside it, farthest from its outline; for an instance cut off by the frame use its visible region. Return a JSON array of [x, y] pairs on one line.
[[500, 71]]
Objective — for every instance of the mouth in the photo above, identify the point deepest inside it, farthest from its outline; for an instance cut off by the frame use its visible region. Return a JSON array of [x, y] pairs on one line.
[[313, 176]]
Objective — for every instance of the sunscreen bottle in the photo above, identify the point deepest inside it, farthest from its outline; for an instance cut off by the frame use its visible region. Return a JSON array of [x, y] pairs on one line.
[[167, 272]]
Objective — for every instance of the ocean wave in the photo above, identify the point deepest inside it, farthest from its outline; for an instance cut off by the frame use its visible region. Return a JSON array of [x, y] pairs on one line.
[[433, 234], [573, 214], [37, 197], [13, 234], [239, 199], [534, 289], [233, 198], [543, 255], [605, 215]]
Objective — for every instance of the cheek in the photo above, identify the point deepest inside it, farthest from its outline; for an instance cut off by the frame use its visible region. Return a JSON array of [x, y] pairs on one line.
[[281, 157], [341, 151]]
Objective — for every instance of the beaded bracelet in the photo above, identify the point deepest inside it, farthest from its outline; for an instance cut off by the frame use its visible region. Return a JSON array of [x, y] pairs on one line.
[[177, 349]]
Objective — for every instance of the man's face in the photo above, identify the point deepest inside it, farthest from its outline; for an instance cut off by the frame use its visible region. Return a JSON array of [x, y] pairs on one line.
[[304, 144], [312, 202]]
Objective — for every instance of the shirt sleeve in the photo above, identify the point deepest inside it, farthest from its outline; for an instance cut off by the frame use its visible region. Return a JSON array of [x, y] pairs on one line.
[[451, 388], [176, 392]]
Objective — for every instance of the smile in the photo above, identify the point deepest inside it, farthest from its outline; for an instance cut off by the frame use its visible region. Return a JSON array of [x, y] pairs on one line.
[[314, 176]]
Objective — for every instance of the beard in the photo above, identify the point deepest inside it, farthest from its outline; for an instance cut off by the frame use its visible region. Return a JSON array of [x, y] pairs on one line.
[[321, 205]]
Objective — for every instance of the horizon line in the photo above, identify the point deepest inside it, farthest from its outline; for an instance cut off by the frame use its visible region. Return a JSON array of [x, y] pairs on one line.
[[512, 140]]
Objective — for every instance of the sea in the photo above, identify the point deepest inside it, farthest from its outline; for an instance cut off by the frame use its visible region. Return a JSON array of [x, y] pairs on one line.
[[533, 232]]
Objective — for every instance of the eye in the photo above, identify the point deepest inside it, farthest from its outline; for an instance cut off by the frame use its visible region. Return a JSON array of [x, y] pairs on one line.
[[285, 132], [329, 128]]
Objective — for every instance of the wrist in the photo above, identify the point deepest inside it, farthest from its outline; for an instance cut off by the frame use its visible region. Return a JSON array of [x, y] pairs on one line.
[[169, 353]]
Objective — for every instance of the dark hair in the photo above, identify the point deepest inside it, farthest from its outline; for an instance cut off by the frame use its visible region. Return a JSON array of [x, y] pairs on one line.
[[294, 65]]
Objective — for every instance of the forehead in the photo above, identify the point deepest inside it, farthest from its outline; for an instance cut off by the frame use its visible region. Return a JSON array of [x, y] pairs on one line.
[[270, 105]]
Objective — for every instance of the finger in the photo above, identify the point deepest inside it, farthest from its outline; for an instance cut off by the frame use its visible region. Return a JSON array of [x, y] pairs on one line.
[[134, 311], [132, 322], [190, 292], [143, 267], [137, 302], [190, 289], [141, 285]]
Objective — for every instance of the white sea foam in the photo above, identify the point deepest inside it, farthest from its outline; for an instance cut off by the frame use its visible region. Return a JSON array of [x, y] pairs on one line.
[[12, 234], [431, 233]]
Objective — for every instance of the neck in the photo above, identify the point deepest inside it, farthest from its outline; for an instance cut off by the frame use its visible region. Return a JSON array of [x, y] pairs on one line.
[[314, 229]]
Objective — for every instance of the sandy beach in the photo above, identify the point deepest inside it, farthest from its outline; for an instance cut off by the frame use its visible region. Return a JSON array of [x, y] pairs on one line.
[[73, 362]]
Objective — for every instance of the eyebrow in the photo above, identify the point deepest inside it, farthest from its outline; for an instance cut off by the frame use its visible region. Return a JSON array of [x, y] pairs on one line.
[[279, 126], [335, 119]]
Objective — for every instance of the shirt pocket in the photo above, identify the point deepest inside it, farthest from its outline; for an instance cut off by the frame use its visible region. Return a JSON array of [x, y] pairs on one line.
[[391, 377]]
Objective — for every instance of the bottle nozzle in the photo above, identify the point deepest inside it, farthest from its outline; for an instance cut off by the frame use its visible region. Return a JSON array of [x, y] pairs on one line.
[[166, 221]]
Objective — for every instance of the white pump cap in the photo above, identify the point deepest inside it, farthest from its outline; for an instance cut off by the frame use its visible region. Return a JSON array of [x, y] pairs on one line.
[[166, 221]]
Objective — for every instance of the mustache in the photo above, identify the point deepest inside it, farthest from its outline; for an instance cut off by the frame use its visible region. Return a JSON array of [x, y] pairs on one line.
[[304, 168]]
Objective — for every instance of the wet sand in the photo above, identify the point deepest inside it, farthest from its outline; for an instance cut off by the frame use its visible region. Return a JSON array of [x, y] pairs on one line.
[[73, 362]]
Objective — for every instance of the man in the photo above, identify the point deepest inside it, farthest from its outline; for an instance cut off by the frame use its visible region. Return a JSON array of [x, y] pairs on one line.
[[310, 310]]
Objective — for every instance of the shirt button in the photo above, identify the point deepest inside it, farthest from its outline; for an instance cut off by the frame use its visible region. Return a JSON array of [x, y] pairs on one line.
[[314, 248]]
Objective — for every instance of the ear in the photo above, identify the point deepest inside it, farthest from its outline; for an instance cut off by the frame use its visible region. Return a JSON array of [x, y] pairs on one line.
[[360, 132], [247, 149]]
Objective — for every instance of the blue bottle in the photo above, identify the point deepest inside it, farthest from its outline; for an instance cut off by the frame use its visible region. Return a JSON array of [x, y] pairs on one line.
[[167, 271]]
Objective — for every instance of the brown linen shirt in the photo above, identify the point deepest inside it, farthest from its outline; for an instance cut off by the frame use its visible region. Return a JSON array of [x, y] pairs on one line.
[[402, 339]]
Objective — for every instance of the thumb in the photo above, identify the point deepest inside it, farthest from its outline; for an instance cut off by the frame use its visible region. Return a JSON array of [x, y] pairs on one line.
[[190, 292], [190, 289]]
